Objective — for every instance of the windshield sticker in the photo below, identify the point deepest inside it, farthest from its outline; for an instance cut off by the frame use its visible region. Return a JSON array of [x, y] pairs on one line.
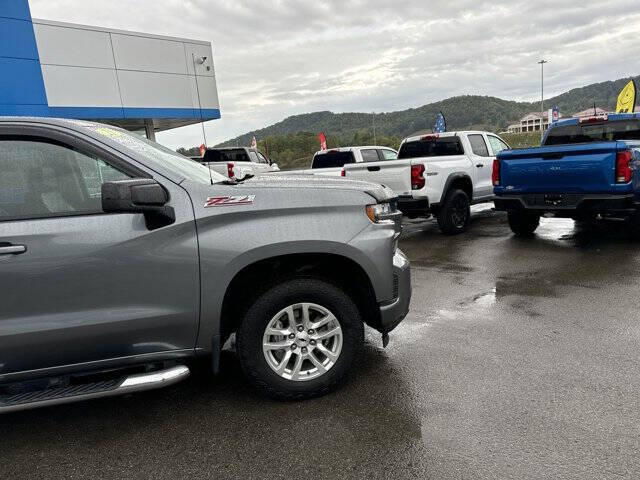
[[229, 201], [107, 132]]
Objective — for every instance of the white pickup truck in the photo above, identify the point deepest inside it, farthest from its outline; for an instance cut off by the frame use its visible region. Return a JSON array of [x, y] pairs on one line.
[[237, 162], [330, 162], [439, 174]]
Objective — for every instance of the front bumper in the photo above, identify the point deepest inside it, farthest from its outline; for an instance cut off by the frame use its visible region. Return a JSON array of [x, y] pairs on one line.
[[393, 312]]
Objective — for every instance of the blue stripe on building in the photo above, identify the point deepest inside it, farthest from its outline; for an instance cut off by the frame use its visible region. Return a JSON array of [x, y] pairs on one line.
[[21, 82], [117, 113]]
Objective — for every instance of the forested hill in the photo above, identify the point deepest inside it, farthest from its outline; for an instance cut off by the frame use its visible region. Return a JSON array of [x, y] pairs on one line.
[[292, 142], [463, 112]]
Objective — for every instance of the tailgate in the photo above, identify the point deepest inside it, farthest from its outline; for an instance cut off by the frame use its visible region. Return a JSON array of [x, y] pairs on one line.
[[577, 168], [395, 174]]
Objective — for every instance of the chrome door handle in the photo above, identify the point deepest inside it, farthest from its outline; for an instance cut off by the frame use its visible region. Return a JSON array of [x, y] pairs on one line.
[[13, 250]]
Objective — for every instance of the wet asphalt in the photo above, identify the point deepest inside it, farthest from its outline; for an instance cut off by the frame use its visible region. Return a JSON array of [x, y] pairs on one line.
[[519, 359]]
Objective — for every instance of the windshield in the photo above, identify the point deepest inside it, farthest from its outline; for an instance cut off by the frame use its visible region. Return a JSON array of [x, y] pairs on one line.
[[431, 146], [598, 132], [167, 158], [332, 159]]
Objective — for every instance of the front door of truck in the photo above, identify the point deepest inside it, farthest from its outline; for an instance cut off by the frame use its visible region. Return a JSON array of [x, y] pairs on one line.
[[78, 285]]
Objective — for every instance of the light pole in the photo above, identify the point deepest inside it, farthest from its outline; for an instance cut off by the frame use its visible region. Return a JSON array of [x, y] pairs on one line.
[[541, 63]]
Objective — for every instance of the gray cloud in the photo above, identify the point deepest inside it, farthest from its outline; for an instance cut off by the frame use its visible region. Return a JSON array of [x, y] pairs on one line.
[[283, 57]]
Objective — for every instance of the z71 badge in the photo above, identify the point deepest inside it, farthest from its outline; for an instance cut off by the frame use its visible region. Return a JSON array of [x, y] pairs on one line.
[[229, 201]]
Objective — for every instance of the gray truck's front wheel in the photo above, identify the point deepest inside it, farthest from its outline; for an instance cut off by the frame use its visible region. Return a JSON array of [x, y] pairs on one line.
[[523, 224], [300, 339]]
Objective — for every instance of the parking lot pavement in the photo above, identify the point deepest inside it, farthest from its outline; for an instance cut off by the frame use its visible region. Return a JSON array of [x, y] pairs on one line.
[[519, 359]]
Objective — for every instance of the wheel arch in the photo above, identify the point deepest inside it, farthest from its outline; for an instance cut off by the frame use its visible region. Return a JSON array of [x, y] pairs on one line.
[[255, 271], [459, 180], [259, 276]]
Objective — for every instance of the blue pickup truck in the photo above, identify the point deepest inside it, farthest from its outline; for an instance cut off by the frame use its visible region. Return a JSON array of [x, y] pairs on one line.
[[585, 167]]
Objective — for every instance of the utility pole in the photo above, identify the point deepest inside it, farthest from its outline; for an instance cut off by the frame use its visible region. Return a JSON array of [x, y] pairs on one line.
[[541, 63]]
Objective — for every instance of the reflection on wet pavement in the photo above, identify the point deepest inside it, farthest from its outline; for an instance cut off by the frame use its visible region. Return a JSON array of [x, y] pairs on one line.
[[519, 359]]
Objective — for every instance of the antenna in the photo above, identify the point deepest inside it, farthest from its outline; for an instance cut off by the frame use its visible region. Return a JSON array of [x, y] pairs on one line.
[[201, 60]]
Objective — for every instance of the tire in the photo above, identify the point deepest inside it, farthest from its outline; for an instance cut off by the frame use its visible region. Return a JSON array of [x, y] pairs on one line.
[[455, 213], [523, 224], [259, 365]]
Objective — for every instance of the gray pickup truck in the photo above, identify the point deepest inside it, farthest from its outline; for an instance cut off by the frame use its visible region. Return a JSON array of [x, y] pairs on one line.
[[122, 261]]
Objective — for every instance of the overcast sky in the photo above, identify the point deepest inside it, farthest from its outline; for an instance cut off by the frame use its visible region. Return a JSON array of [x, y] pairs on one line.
[[283, 57]]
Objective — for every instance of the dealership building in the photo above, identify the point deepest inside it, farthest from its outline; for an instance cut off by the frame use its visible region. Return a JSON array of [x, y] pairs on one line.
[[141, 82]]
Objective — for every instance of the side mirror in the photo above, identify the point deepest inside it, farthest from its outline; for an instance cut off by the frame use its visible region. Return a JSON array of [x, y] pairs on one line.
[[274, 166], [143, 195]]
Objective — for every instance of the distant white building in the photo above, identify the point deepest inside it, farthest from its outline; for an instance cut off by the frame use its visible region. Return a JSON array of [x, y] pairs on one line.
[[530, 123]]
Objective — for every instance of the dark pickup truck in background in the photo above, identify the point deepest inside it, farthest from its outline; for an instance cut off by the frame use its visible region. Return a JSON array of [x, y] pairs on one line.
[[584, 169]]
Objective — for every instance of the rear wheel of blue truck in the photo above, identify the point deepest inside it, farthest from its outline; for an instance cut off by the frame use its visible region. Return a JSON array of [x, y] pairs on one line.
[[300, 339], [455, 213], [523, 224]]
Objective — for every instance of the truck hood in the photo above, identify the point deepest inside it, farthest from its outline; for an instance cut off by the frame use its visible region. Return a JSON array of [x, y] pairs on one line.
[[379, 192]]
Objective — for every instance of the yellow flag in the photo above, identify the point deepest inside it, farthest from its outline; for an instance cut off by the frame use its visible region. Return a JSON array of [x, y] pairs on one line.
[[627, 98]]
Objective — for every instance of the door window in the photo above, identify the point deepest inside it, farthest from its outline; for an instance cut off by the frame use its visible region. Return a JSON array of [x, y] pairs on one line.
[[370, 155], [253, 156], [389, 154], [42, 179], [262, 158], [478, 145], [497, 145]]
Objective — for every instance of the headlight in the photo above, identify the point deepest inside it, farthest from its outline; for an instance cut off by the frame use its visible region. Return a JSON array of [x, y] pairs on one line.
[[381, 212]]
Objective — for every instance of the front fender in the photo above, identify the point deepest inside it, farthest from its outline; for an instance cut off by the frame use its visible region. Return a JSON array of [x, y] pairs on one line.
[[214, 287]]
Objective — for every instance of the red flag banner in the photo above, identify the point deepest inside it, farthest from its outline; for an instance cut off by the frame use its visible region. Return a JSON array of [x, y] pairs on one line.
[[323, 141], [203, 149]]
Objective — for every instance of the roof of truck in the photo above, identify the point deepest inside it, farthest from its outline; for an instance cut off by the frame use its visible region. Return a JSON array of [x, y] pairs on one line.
[[417, 138], [351, 149]]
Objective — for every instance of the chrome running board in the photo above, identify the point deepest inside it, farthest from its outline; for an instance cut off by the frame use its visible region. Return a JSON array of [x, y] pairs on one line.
[[77, 393]]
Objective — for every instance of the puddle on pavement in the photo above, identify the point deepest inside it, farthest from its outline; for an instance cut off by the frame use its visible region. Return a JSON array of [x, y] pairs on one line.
[[442, 266], [526, 285], [555, 228], [486, 299]]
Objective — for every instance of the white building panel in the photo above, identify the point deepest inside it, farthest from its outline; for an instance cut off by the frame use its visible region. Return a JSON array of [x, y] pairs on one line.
[[91, 67], [194, 51], [154, 90], [208, 92], [59, 45], [148, 54], [80, 86]]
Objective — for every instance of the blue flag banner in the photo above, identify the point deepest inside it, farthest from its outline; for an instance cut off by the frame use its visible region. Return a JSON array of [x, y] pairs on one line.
[[555, 114], [441, 124]]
